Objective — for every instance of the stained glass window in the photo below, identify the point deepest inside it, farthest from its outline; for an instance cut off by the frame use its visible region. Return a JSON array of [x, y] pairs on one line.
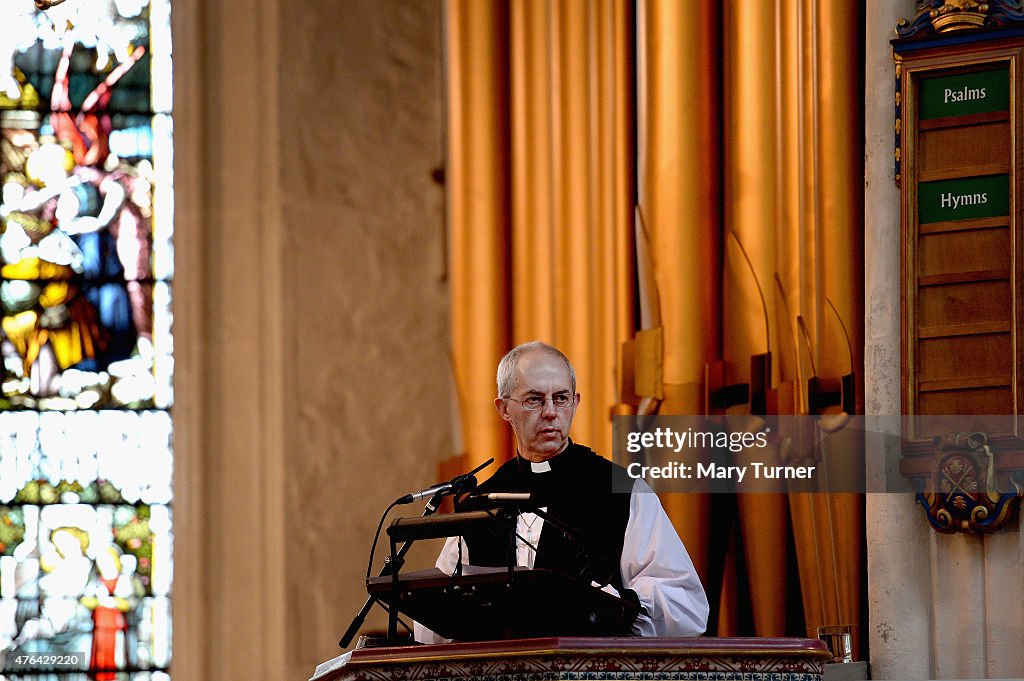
[[86, 264]]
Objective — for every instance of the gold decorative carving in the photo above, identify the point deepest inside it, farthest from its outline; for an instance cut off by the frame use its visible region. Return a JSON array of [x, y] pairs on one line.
[[898, 138], [959, 14], [948, 16]]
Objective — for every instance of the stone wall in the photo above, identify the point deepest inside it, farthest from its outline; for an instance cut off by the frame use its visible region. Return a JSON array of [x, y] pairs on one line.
[[368, 390]]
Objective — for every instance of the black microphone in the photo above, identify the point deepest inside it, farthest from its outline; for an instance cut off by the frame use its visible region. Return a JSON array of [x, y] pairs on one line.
[[456, 485]]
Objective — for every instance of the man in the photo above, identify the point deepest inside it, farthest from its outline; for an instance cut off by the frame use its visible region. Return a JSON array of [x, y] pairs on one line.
[[630, 546]]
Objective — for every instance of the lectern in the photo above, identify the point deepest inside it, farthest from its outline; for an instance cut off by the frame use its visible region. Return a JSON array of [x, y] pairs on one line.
[[479, 603], [493, 604]]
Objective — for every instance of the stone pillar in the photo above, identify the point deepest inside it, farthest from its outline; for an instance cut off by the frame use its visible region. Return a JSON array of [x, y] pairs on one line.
[[311, 317], [898, 594]]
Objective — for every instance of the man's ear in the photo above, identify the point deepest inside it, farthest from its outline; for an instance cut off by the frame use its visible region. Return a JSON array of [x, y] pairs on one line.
[[502, 407]]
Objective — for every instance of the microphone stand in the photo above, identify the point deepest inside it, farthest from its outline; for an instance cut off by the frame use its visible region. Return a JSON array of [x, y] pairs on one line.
[[389, 567], [462, 484]]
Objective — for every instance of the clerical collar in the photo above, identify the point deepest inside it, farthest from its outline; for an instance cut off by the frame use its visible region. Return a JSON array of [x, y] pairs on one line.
[[540, 466]]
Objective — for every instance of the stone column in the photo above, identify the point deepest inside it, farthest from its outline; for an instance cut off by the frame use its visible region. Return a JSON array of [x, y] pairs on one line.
[[311, 317], [899, 597]]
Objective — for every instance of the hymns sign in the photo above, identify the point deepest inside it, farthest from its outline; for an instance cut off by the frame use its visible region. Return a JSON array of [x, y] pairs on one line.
[[963, 199]]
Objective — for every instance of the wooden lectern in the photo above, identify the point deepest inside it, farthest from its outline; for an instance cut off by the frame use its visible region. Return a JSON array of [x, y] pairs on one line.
[[557, 659]]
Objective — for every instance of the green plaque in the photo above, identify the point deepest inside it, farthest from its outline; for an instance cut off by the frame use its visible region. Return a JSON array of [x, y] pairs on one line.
[[963, 199], [965, 93]]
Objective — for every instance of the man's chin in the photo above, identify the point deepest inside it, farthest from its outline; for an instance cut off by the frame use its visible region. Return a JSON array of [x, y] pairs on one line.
[[550, 446]]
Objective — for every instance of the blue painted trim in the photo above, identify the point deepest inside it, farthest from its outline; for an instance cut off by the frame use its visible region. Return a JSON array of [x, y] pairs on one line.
[[905, 45]]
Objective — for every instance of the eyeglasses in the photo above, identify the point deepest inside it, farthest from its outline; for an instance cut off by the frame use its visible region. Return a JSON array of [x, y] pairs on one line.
[[535, 402]]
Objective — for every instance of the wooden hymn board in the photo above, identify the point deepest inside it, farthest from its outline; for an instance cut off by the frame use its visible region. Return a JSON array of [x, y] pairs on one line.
[[959, 168], [959, 160]]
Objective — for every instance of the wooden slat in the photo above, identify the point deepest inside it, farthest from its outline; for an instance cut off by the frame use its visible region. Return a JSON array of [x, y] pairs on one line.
[[988, 354], [977, 402], [962, 329], [964, 225], [965, 171], [963, 383], [956, 121], [963, 277]]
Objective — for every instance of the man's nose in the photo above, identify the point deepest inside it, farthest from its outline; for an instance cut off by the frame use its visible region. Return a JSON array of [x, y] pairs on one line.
[[548, 408]]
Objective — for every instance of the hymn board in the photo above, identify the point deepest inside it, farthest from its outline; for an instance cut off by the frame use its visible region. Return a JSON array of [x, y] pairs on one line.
[[960, 161], [958, 164]]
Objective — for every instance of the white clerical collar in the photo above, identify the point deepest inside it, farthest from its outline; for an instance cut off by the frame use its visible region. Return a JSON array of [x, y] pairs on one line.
[[540, 466]]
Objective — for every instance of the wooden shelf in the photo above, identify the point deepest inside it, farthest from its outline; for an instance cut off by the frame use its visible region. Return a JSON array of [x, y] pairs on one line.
[[963, 277], [963, 225], [958, 121], [963, 383], [961, 172], [963, 329]]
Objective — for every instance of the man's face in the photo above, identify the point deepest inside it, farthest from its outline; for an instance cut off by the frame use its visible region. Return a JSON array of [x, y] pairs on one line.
[[544, 432]]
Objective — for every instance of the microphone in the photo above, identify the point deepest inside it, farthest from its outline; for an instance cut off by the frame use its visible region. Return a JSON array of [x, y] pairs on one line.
[[504, 501], [456, 485], [442, 489], [508, 496]]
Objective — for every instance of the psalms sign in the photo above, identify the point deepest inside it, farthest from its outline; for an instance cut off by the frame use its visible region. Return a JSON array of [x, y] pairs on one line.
[[965, 93]]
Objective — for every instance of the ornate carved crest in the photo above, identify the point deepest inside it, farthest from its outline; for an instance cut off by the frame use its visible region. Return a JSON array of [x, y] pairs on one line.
[[967, 494], [944, 16]]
